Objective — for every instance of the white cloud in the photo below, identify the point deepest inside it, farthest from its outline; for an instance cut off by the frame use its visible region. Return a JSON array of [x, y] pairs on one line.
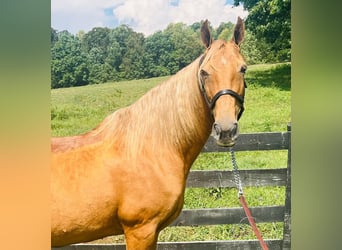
[[150, 16], [75, 15], [146, 16]]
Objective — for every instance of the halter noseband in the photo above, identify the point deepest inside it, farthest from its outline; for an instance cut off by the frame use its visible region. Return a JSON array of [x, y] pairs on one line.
[[226, 92], [212, 102]]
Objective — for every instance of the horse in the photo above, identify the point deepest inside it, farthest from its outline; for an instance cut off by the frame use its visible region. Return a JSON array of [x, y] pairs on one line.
[[128, 175]]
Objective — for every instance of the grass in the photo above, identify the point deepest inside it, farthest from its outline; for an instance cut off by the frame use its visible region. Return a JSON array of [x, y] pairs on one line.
[[79, 109], [268, 108]]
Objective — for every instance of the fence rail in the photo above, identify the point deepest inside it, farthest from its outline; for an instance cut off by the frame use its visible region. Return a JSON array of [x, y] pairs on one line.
[[219, 216], [193, 245], [253, 142], [225, 178]]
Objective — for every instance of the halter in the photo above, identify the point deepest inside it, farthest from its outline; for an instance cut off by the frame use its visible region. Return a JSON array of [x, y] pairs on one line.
[[211, 103]]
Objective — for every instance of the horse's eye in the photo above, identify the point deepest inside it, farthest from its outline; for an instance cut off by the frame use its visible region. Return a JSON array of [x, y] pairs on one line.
[[243, 69], [204, 74]]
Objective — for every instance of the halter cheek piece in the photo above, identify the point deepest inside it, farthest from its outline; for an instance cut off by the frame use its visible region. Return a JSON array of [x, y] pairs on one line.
[[212, 102]]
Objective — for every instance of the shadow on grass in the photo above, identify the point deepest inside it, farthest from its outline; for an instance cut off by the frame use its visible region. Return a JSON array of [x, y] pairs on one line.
[[278, 76]]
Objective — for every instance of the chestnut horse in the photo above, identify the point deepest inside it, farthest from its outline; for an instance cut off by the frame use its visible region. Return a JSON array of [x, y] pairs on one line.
[[128, 175]]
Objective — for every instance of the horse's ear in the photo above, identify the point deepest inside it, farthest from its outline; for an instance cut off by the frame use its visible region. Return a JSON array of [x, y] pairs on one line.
[[205, 34], [239, 32]]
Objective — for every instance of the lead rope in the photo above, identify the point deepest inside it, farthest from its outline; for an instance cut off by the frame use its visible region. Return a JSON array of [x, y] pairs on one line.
[[243, 202]]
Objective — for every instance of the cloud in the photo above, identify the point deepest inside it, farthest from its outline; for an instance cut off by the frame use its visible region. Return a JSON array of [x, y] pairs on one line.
[[79, 15], [150, 16], [146, 16]]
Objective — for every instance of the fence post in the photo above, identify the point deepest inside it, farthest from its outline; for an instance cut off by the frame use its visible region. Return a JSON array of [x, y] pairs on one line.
[[287, 215]]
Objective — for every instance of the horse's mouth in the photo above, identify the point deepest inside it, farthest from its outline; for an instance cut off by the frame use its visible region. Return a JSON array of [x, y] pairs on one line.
[[227, 142], [224, 139]]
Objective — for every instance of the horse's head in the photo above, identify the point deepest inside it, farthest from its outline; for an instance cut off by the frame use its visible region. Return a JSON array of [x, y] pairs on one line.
[[221, 79]]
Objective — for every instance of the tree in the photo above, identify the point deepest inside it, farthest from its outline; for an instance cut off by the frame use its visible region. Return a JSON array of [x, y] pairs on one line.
[[224, 31], [132, 65], [96, 38], [247, 4], [68, 62], [104, 54], [113, 59], [270, 22], [157, 54], [168, 51], [124, 42], [54, 37], [185, 46], [251, 50], [105, 50]]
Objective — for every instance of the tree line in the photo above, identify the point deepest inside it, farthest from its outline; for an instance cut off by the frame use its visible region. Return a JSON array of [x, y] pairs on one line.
[[105, 54]]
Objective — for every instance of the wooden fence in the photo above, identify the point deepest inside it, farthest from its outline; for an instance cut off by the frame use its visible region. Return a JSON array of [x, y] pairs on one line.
[[224, 178]]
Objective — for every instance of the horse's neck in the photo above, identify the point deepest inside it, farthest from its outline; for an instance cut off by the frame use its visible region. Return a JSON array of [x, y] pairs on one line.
[[173, 115], [194, 114]]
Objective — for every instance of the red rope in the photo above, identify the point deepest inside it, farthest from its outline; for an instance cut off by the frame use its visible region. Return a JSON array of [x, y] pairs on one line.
[[252, 222]]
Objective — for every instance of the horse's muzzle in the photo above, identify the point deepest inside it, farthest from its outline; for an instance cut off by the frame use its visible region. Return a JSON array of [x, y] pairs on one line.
[[225, 136]]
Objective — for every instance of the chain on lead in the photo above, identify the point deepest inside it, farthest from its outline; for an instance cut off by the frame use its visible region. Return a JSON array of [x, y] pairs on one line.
[[236, 172]]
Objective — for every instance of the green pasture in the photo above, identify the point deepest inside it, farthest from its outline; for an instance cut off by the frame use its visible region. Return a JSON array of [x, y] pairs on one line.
[[268, 108]]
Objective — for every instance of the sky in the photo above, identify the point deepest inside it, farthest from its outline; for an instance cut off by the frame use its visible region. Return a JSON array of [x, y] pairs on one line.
[[145, 16]]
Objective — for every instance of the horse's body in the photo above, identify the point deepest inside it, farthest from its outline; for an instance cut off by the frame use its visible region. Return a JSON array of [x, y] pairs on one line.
[[128, 175]]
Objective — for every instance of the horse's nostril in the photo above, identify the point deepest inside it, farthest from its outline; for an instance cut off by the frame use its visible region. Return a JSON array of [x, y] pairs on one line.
[[233, 130], [217, 129]]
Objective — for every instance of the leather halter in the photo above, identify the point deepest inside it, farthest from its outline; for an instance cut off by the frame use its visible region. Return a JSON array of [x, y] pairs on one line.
[[228, 92], [211, 103]]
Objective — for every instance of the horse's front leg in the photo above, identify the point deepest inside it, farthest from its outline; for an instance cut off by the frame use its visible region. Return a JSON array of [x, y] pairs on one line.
[[141, 237]]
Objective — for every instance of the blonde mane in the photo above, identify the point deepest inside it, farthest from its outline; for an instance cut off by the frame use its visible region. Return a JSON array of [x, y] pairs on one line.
[[167, 115]]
